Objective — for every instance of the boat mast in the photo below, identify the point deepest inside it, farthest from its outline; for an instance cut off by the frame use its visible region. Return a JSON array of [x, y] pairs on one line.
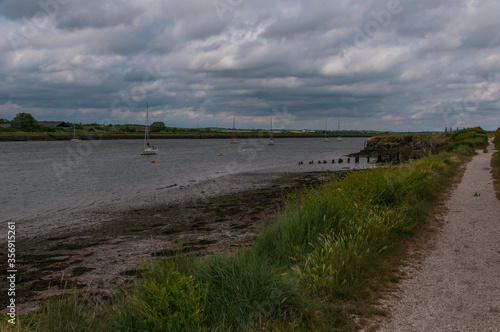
[[147, 125], [233, 137]]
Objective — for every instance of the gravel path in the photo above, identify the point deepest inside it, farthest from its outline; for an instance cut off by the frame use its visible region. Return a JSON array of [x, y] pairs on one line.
[[456, 287]]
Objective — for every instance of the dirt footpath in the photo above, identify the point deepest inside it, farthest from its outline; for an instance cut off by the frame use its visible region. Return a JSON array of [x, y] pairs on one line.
[[456, 287]]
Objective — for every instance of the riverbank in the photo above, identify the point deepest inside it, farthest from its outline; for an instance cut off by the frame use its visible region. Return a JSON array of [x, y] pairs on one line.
[[320, 265], [289, 267], [105, 253], [66, 136]]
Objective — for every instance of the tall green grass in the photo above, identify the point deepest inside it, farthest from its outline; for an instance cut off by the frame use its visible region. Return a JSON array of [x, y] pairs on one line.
[[334, 236], [467, 141], [165, 301], [496, 140], [220, 293], [67, 313]]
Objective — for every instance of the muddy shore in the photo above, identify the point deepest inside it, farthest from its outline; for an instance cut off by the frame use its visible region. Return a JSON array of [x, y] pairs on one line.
[[106, 256]]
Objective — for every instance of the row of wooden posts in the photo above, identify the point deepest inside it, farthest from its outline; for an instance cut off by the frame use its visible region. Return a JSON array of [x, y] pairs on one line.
[[391, 158]]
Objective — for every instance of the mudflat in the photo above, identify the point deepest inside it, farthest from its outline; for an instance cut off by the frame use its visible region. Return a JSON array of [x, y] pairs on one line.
[[106, 256]]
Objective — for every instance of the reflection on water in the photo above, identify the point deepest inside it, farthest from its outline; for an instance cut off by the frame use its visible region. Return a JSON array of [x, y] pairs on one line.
[[43, 178]]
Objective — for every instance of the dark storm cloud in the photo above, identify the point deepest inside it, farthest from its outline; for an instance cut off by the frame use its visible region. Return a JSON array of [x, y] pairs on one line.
[[379, 64]]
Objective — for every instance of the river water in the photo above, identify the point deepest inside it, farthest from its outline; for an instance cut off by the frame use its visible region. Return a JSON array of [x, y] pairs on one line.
[[56, 180]]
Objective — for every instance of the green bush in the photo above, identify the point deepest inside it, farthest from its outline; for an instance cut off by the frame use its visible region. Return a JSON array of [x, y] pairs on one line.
[[157, 127], [168, 301], [26, 122], [497, 139], [467, 141], [243, 289]]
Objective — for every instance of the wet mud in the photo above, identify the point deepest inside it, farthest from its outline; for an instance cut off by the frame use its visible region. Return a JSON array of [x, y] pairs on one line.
[[108, 257]]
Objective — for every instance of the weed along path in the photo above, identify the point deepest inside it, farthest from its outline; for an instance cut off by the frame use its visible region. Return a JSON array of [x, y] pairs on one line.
[[456, 286]]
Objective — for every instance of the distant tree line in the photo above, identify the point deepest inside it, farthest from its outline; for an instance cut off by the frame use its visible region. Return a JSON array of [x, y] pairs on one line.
[[25, 122]]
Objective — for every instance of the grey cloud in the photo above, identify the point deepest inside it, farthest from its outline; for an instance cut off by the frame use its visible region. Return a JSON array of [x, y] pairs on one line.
[[419, 69], [98, 18], [16, 9]]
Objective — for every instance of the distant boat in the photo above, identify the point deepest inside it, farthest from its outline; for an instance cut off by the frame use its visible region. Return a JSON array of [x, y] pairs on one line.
[[339, 138], [148, 149], [234, 140], [326, 126], [271, 139], [74, 139]]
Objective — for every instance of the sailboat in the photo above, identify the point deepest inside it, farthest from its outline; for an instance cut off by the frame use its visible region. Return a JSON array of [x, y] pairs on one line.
[[148, 149], [326, 137], [271, 139], [234, 140], [339, 138], [74, 139]]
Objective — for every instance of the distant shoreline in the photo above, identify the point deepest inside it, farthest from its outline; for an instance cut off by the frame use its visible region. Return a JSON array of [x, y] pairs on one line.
[[9, 137]]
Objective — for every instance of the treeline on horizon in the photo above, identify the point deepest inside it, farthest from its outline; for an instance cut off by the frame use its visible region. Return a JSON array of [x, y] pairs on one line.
[[25, 124]]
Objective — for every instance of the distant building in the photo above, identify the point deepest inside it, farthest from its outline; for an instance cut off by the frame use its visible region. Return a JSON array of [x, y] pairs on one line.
[[55, 124], [5, 125]]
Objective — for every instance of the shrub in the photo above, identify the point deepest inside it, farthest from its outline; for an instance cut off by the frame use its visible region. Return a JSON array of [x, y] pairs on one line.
[[467, 141], [497, 139], [168, 301], [243, 289]]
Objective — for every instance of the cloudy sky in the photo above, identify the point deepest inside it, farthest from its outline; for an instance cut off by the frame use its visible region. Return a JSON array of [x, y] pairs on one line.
[[375, 64]]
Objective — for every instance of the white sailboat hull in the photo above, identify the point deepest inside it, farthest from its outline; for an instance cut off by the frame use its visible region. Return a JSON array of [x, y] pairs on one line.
[[149, 151]]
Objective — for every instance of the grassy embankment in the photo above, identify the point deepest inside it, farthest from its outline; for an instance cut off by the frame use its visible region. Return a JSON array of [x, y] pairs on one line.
[[318, 267], [97, 133]]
